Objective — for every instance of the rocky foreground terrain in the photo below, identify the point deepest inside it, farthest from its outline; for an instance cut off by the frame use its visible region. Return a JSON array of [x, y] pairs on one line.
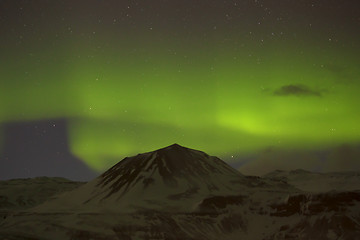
[[181, 193]]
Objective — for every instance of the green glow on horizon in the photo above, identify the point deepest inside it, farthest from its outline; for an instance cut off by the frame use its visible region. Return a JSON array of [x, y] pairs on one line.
[[120, 103]]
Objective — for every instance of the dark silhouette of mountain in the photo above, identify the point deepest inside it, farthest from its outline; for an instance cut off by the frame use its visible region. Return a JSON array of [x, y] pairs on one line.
[[169, 165], [173, 178]]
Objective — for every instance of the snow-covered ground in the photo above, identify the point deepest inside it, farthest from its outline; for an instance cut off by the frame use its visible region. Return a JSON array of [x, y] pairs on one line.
[[181, 193], [318, 182], [18, 194]]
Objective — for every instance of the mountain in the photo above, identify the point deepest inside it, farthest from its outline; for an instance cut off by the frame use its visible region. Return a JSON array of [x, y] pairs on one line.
[[173, 178], [318, 182], [20, 194], [181, 193]]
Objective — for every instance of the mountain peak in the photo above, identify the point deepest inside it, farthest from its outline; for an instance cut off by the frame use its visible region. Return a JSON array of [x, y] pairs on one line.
[[173, 147], [175, 169], [173, 178], [178, 156]]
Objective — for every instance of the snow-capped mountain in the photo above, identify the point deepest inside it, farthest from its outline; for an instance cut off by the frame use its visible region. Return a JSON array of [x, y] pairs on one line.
[[181, 193], [173, 178]]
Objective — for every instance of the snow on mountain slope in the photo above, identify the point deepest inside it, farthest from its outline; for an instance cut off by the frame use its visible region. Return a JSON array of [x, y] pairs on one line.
[[180, 193], [318, 182], [173, 178], [302, 216], [331, 215]]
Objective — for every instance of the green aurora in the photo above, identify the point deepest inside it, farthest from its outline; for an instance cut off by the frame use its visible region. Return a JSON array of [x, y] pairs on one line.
[[231, 93]]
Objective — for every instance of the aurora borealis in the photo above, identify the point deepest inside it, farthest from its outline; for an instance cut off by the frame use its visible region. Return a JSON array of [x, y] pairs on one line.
[[230, 78]]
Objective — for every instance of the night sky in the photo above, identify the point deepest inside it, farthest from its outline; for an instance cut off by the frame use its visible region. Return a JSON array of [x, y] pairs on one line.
[[263, 84]]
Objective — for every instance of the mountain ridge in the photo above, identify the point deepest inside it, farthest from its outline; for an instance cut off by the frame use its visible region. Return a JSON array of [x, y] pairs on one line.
[[157, 180], [204, 199]]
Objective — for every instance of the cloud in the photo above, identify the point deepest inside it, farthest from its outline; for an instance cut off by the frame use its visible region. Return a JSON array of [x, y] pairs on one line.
[[296, 90]]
